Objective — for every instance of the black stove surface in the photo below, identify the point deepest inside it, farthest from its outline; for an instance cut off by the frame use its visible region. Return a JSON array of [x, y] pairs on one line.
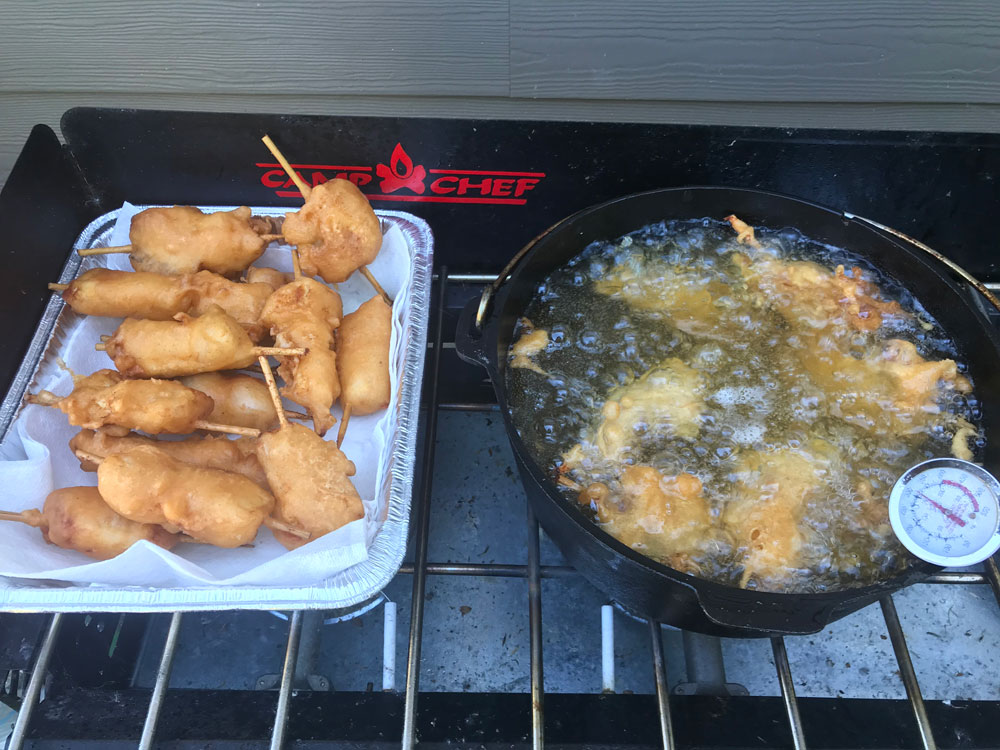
[[486, 188]]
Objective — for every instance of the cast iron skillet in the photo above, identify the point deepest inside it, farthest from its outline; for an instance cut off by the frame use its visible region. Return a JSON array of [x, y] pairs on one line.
[[641, 585]]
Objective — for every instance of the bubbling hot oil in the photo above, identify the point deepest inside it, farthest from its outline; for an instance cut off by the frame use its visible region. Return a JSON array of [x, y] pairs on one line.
[[757, 400]]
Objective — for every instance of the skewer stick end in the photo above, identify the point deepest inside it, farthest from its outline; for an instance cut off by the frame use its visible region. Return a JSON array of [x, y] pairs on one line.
[[343, 424], [32, 517], [104, 250], [58, 287], [275, 524], [272, 388], [231, 429], [279, 351], [100, 347], [378, 287], [299, 182]]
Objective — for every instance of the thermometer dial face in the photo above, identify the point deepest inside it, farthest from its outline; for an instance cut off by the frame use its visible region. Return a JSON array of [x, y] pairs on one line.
[[946, 511]]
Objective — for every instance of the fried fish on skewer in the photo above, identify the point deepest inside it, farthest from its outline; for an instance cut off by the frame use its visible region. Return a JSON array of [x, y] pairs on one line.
[[336, 232], [184, 346], [105, 398], [209, 505], [155, 296], [309, 477], [363, 360], [77, 518], [305, 313], [211, 452], [121, 294], [182, 239], [239, 399], [241, 301]]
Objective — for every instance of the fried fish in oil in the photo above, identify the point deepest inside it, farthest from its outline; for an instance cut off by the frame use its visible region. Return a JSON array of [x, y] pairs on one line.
[[764, 516], [665, 517], [532, 342]]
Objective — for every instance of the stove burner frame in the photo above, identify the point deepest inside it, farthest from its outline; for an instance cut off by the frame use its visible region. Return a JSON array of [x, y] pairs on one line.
[[533, 572]]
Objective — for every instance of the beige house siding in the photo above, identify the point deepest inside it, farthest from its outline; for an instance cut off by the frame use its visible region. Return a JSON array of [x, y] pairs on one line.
[[891, 64]]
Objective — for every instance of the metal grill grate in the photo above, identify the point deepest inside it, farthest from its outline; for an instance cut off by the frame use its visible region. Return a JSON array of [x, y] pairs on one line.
[[533, 572]]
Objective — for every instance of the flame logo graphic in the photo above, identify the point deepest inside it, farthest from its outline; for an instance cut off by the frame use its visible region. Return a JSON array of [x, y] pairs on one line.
[[401, 173]]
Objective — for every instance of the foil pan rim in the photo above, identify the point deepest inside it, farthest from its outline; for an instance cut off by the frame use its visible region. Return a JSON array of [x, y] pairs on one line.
[[349, 592]]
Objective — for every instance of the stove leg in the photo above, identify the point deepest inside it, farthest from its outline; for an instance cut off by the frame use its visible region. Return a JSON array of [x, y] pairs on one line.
[[706, 672], [305, 661]]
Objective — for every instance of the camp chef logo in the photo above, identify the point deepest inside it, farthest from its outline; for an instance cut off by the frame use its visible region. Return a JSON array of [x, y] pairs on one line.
[[402, 180]]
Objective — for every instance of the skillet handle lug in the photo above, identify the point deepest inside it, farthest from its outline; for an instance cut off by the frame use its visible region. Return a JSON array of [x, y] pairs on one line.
[[768, 618], [950, 264], [486, 301]]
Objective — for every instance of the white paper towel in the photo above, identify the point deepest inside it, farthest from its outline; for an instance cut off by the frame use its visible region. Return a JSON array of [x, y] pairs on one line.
[[37, 459]]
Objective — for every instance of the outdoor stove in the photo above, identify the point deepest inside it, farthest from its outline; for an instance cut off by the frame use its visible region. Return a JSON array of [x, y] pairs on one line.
[[452, 653]]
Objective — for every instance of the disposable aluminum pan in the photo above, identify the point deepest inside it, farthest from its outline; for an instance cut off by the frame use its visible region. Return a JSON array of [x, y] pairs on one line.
[[352, 590]]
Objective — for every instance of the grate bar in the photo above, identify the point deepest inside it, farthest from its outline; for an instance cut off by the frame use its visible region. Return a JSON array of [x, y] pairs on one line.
[[788, 692], [906, 672], [535, 621], [20, 730], [662, 689], [287, 678], [955, 576], [161, 684], [422, 526], [503, 570], [496, 570], [463, 406]]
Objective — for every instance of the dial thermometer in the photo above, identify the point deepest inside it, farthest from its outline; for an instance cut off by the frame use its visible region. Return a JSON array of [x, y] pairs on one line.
[[947, 511]]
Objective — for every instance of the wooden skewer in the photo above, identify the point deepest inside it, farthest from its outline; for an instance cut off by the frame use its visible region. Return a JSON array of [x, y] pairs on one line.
[[30, 517], [270, 351], [299, 182], [43, 398], [272, 237], [104, 250], [378, 287], [275, 524], [231, 429], [58, 287], [343, 424], [105, 337], [296, 268], [185, 539], [272, 388], [278, 351]]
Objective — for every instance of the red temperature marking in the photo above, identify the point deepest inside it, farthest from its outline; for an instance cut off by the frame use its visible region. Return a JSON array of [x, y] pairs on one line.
[[948, 514], [966, 490]]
